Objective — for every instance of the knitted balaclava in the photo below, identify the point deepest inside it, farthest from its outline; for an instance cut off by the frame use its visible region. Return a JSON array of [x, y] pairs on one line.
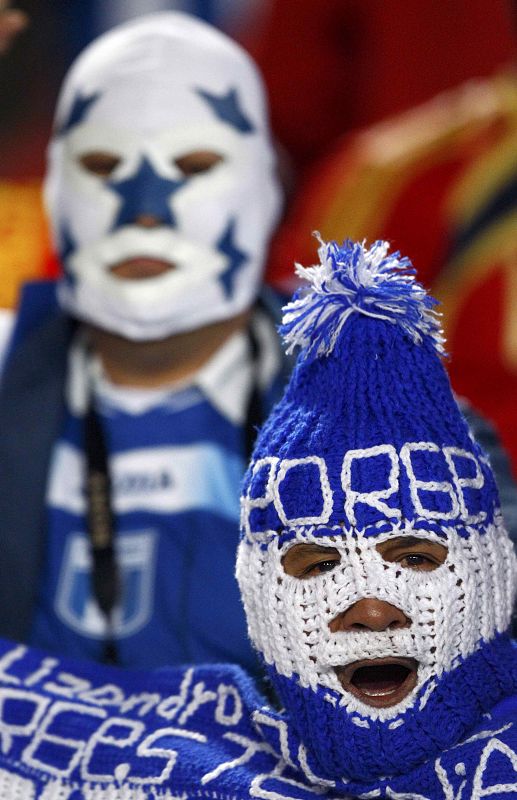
[[368, 445], [148, 94]]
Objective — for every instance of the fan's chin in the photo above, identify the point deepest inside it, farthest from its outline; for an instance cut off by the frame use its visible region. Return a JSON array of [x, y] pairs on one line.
[[379, 682]]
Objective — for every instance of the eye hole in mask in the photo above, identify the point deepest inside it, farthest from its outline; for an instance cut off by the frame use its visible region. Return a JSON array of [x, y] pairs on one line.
[[421, 555], [198, 162], [99, 162], [103, 163]]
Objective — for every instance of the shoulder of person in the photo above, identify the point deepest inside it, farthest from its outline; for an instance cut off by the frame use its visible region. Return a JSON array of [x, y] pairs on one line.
[[7, 320]]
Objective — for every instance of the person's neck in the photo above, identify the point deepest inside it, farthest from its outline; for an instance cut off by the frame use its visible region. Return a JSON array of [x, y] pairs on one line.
[[162, 362]]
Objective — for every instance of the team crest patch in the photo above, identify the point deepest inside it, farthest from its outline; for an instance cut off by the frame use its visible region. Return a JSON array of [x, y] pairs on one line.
[[76, 606]]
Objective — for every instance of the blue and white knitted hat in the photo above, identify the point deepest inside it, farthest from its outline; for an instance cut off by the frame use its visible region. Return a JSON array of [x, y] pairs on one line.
[[368, 433], [368, 444]]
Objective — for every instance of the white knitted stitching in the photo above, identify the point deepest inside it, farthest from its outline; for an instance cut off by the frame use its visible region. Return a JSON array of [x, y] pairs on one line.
[[221, 714], [430, 486], [478, 788], [10, 729], [15, 787], [101, 736], [326, 492], [250, 748], [76, 746], [248, 503], [461, 482], [257, 789], [58, 790], [452, 490], [372, 498], [453, 608]]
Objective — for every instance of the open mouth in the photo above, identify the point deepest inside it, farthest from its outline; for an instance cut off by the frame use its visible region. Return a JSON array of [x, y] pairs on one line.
[[141, 267], [379, 682]]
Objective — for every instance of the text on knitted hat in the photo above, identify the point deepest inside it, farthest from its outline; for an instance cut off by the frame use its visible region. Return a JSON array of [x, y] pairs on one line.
[[463, 469]]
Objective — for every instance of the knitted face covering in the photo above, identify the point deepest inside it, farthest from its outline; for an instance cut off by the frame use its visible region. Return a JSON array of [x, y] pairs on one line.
[[148, 95], [450, 611], [334, 468]]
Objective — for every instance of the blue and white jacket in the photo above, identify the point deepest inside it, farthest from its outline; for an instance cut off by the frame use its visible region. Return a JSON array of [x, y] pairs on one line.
[[176, 460]]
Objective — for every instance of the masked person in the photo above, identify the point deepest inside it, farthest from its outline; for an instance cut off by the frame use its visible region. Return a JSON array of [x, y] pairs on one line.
[[130, 401], [378, 581]]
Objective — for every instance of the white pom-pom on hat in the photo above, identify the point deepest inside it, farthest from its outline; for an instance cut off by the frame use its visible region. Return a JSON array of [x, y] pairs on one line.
[[356, 279]]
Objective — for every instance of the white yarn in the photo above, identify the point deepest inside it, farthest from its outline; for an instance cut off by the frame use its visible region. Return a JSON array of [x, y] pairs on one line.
[[466, 600], [354, 279]]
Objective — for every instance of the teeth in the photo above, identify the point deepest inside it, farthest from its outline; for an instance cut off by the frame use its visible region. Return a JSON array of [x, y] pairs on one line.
[[378, 692]]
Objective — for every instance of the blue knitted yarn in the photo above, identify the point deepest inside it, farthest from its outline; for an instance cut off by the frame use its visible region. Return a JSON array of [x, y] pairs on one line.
[[368, 441], [365, 750], [352, 279], [376, 387]]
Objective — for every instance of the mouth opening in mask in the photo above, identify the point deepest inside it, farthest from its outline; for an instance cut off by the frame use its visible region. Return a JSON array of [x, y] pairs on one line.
[[140, 268], [380, 682]]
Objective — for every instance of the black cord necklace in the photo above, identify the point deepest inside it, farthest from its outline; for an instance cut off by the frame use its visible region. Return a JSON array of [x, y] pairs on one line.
[[100, 517], [100, 520]]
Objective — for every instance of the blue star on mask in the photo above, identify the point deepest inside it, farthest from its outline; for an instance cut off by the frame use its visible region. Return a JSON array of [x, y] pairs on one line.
[[145, 193], [227, 108], [66, 248], [226, 245], [80, 107]]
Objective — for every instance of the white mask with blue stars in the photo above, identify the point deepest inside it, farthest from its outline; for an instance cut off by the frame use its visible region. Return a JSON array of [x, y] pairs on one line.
[[149, 94]]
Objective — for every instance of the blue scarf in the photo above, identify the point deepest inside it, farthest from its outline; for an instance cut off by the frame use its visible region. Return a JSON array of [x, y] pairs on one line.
[[79, 731]]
